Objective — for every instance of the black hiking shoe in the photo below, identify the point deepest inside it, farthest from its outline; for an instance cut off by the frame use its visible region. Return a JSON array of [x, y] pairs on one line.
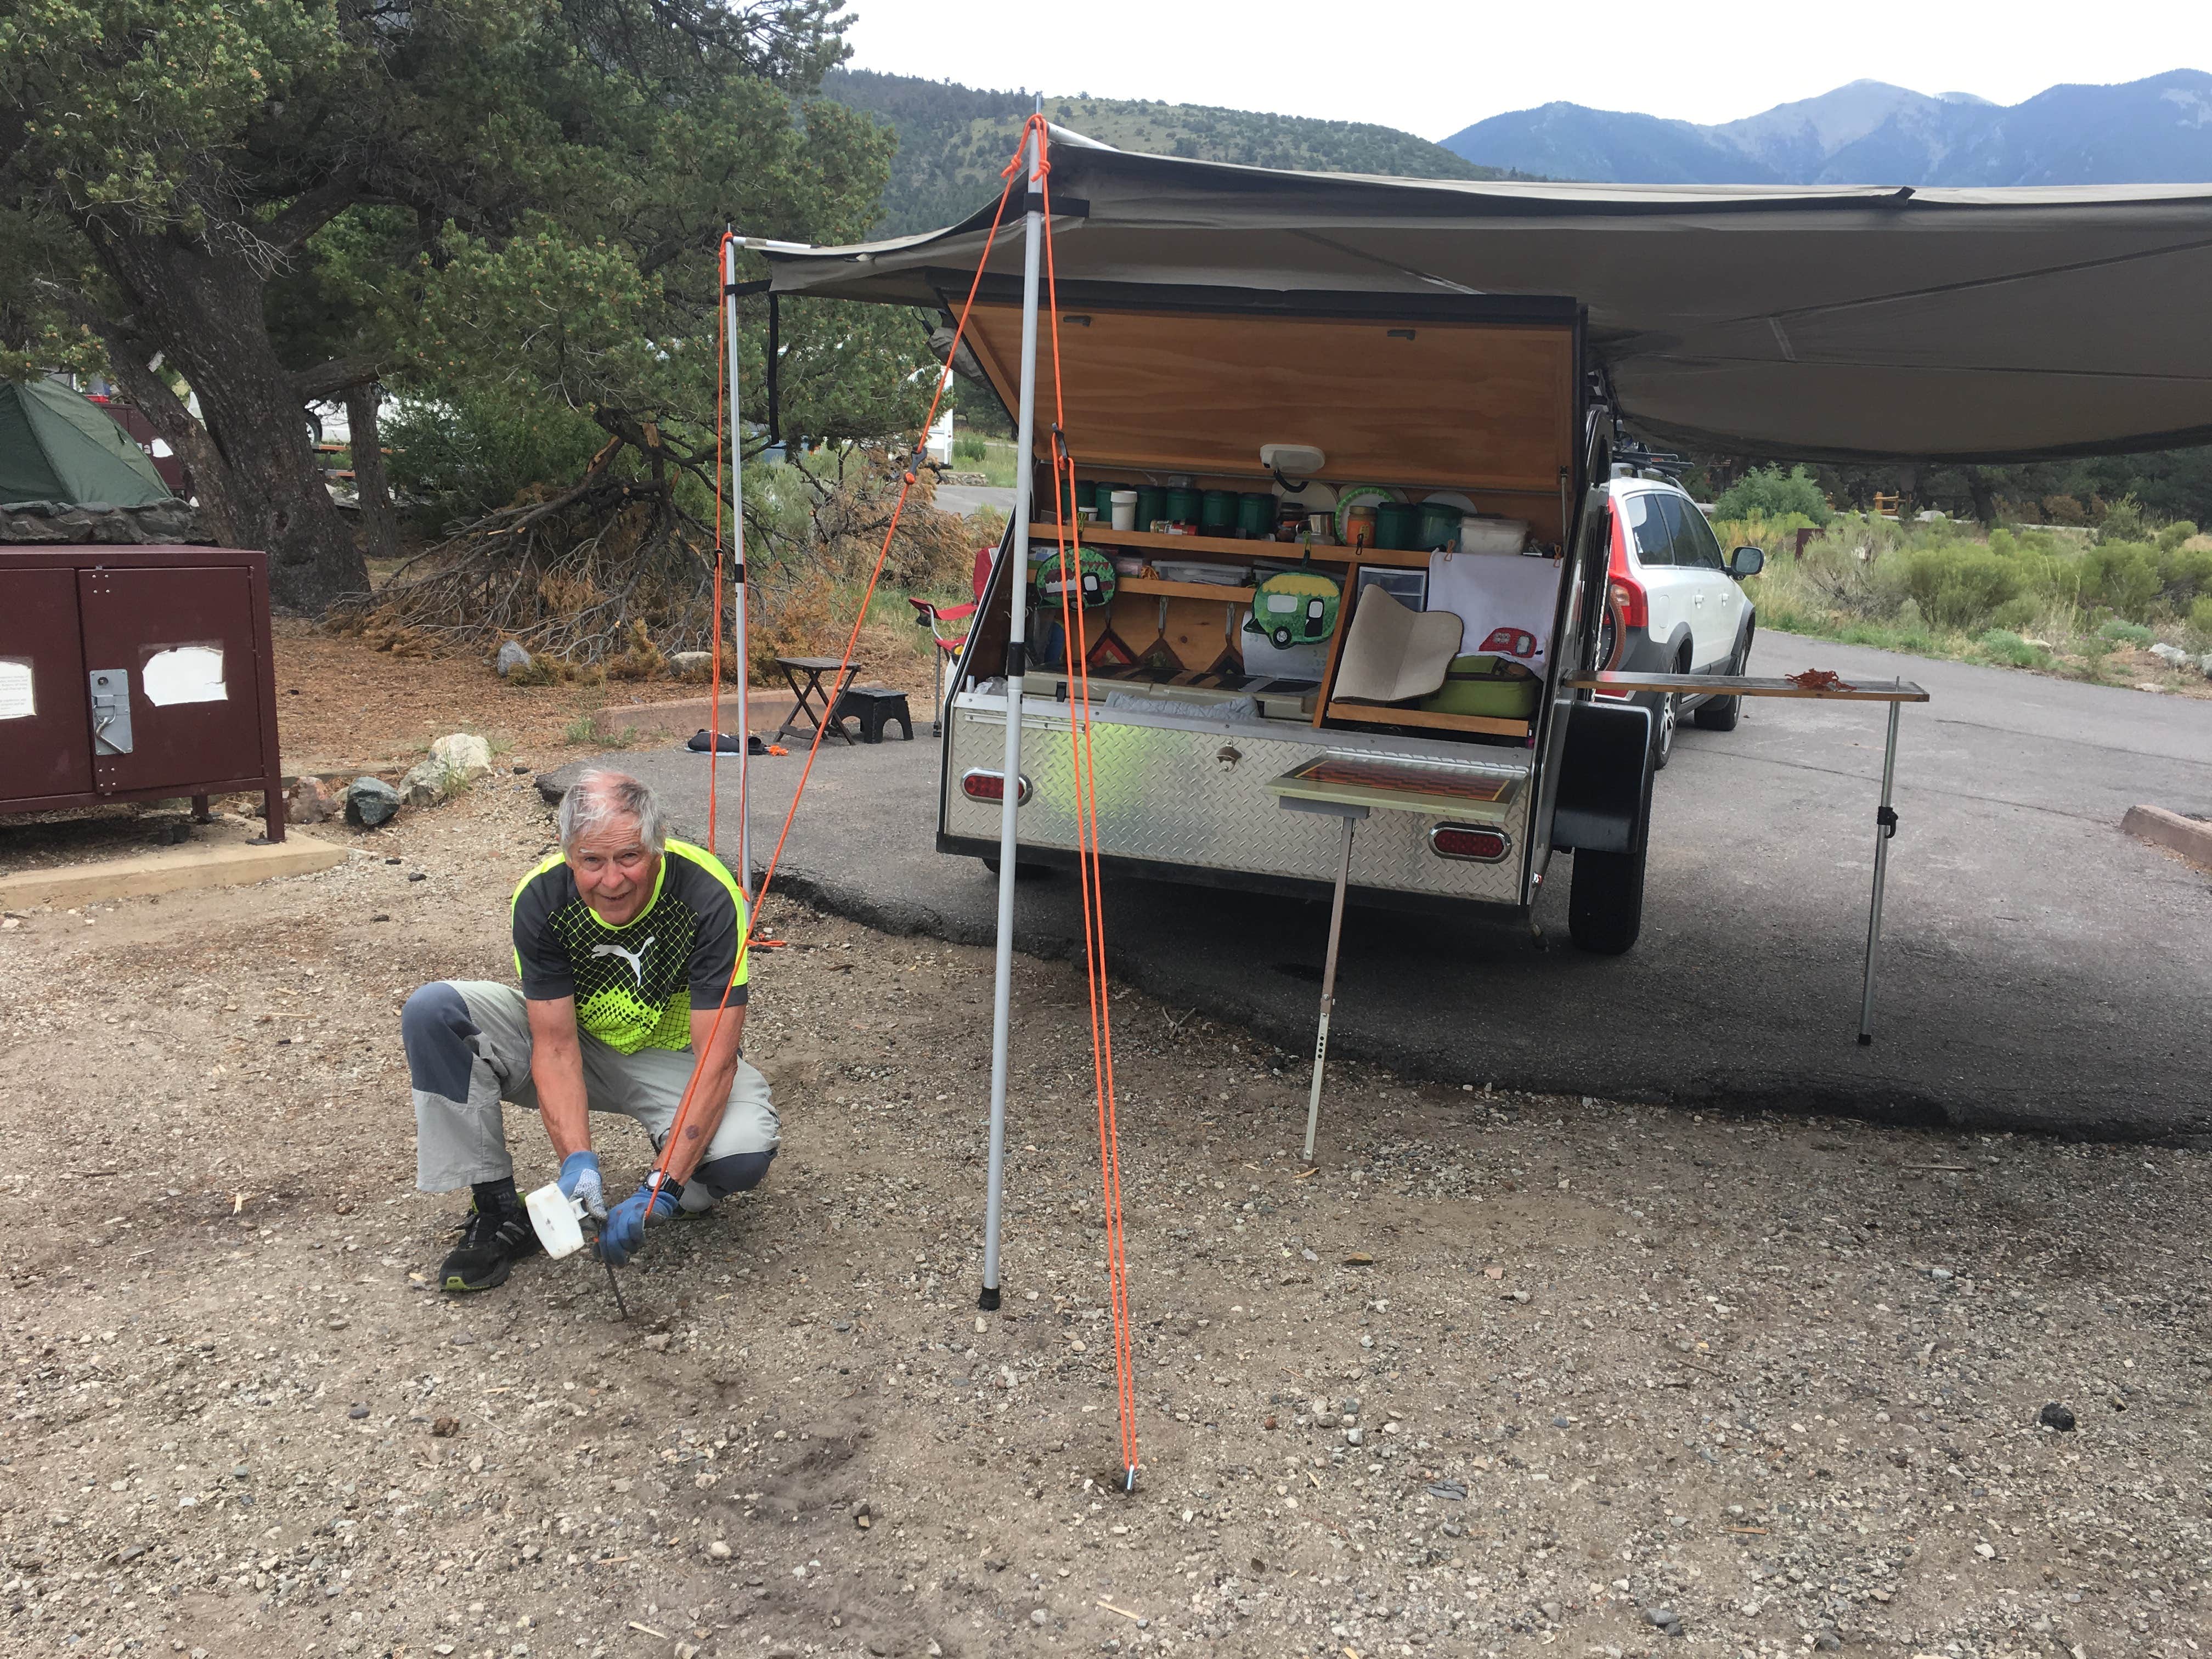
[[490, 1245]]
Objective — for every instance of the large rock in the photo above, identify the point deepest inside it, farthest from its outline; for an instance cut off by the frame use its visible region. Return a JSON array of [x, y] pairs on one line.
[[309, 802], [369, 802], [2173, 655], [426, 783], [512, 657], [463, 753], [690, 664]]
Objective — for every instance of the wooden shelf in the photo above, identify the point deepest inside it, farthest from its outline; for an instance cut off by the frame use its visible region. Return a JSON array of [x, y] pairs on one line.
[[1369, 713], [1167, 590], [1226, 548], [1744, 685]]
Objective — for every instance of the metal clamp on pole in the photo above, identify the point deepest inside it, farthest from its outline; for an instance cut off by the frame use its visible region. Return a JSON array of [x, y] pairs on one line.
[[1885, 819]]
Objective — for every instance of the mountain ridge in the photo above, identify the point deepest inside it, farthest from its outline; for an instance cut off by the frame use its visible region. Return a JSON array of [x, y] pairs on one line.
[[953, 139], [2157, 130]]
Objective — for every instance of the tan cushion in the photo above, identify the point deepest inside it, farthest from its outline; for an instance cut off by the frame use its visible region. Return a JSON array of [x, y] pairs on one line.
[[1393, 653]]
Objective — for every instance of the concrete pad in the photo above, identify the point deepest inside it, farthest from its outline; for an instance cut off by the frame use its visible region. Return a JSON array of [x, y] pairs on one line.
[[221, 856], [2191, 837]]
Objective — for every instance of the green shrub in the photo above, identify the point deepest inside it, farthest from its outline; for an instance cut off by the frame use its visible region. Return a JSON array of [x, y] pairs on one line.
[[2200, 618], [1767, 492], [2008, 646], [2014, 614], [2126, 633], [476, 454], [1959, 584], [2122, 577]]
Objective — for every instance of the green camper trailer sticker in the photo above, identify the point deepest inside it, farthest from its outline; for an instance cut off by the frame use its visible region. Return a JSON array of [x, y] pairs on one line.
[[1092, 581], [1296, 607]]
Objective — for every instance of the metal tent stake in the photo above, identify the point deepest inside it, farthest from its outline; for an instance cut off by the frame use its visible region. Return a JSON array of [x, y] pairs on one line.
[[1011, 582], [1884, 822], [1351, 815]]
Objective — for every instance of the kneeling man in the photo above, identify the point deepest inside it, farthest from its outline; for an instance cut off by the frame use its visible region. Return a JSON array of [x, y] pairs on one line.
[[625, 941]]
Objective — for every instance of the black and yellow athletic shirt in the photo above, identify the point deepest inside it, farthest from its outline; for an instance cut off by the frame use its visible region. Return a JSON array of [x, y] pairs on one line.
[[634, 986]]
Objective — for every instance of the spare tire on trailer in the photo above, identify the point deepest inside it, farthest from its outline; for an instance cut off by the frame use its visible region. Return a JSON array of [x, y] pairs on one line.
[[1603, 813]]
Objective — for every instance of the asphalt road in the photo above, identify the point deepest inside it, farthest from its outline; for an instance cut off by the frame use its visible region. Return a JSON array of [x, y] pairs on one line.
[[2038, 970]]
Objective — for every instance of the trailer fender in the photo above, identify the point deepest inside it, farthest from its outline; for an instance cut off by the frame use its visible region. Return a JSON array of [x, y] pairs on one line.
[[1604, 802]]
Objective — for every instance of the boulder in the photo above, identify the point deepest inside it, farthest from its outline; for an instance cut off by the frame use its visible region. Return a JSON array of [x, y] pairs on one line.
[[512, 657], [309, 802], [463, 753], [690, 664], [369, 802], [2173, 655], [426, 783]]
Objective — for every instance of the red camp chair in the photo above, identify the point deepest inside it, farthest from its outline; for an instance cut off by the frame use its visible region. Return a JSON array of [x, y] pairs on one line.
[[940, 620]]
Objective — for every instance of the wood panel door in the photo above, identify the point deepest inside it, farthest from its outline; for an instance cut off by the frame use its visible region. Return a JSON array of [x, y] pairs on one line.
[[45, 740], [185, 635]]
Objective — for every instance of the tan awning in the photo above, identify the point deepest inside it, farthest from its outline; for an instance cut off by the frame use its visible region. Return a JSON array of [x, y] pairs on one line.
[[1846, 323]]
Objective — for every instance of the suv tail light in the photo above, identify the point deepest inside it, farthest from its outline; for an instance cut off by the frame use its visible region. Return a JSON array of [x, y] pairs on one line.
[[980, 785], [1627, 596], [1468, 840]]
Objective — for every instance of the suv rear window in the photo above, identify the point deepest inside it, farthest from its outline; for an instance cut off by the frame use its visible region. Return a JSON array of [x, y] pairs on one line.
[[1655, 536]]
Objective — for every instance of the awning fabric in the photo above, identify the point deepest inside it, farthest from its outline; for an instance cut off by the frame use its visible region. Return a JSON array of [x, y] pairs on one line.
[[1841, 323]]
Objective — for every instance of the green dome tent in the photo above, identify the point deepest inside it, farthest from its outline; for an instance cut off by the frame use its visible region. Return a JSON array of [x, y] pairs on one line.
[[57, 446]]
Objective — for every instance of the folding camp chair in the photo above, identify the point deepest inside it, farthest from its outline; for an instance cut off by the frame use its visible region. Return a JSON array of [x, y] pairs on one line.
[[940, 620]]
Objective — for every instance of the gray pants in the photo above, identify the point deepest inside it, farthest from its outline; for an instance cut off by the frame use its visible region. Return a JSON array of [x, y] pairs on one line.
[[468, 1048]]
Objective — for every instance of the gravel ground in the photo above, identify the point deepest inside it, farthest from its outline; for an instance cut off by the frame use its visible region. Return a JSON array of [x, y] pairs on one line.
[[1505, 1372]]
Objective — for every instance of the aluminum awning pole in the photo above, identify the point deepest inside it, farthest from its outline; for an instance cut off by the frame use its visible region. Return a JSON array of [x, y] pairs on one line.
[[1013, 583], [744, 870], [1885, 826]]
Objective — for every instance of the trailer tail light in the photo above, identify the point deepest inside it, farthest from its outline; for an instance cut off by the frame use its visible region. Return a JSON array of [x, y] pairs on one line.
[[1627, 596], [980, 785], [1469, 841]]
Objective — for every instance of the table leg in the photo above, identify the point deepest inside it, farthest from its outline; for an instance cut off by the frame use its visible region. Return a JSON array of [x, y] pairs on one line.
[[1885, 821], [1328, 984], [798, 704]]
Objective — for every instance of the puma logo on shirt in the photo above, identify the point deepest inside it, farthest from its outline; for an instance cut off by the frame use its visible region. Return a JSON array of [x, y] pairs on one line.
[[636, 958]]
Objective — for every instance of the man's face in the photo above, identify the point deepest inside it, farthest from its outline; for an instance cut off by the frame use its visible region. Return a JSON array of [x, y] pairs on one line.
[[615, 870]]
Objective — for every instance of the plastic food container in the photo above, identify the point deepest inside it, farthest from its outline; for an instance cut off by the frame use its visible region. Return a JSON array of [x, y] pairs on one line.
[[1181, 506], [1255, 515], [1125, 510], [1191, 570], [1151, 503], [1216, 512], [1481, 535], [1438, 525]]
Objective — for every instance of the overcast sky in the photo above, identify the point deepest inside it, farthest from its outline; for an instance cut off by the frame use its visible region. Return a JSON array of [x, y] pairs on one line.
[[1434, 66]]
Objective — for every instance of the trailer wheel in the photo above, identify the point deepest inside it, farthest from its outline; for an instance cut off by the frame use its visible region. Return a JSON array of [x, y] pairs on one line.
[[1605, 902]]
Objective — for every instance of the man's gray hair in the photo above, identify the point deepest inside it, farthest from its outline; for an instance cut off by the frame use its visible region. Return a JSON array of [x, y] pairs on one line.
[[600, 797]]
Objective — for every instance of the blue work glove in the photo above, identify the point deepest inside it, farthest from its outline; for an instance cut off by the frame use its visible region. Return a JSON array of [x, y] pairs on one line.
[[624, 1234], [580, 1178]]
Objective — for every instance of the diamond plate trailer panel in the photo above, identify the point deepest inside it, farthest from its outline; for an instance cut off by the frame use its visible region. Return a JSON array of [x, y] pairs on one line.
[[1192, 796]]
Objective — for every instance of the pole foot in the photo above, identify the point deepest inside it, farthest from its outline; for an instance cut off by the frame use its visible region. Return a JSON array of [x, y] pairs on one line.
[[988, 1299], [1866, 1039]]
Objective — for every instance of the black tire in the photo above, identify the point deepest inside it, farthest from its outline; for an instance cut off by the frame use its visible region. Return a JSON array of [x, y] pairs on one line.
[[1605, 902], [1665, 716], [1721, 714]]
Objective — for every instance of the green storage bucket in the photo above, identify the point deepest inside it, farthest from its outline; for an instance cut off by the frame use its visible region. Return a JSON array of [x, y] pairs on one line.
[[1437, 526], [1497, 688], [1183, 506], [1396, 524], [1255, 513], [1217, 513], [1151, 503]]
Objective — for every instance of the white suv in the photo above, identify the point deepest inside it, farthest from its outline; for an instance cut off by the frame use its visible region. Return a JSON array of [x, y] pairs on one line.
[[1674, 604]]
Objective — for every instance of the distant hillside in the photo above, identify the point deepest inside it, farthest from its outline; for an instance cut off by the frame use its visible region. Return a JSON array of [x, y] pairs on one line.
[[954, 139], [2157, 130]]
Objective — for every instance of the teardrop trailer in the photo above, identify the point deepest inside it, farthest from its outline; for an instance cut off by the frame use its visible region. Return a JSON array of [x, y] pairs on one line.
[[1205, 317], [1475, 342]]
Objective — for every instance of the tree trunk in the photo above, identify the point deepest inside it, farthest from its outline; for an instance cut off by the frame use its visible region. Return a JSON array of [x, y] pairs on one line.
[[1984, 495], [203, 311], [379, 524]]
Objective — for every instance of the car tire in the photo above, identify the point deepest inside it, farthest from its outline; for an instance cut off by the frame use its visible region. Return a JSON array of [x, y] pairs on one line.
[[1665, 716], [1721, 714], [1605, 902]]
